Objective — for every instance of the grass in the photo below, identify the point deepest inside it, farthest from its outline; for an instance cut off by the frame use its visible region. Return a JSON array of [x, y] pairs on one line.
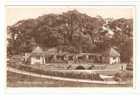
[[18, 80], [69, 74]]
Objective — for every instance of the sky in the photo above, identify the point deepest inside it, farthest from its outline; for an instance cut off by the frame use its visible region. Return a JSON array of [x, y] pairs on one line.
[[16, 13]]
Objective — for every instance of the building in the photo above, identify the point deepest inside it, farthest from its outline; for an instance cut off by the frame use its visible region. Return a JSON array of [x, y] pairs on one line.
[[37, 56], [53, 55], [111, 56]]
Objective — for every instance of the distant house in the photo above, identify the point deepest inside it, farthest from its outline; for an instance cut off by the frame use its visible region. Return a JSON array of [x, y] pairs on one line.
[[111, 56], [53, 55], [36, 56], [40, 56]]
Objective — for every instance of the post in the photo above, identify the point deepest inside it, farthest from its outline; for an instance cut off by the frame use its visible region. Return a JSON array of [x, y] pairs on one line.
[[44, 62]]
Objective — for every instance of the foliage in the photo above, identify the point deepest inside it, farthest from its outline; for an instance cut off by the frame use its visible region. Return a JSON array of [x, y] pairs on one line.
[[80, 68], [123, 76], [71, 31]]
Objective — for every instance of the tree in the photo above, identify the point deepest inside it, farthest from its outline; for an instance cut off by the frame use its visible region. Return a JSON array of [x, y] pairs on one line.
[[123, 29], [71, 31]]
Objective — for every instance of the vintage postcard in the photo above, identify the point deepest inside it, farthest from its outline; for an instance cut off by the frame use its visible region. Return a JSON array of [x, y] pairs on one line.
[[70, 46]]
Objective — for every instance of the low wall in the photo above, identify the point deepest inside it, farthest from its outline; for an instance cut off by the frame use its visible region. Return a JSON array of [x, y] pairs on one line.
[[121, 66]]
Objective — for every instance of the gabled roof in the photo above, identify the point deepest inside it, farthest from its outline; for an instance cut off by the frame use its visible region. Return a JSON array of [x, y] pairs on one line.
[[37, 50], [112, 52]]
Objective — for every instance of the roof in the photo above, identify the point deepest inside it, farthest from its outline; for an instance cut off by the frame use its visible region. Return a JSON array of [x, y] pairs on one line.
[[112, 52], [40, 52], [93, 54], [52, 51], [37, 50]]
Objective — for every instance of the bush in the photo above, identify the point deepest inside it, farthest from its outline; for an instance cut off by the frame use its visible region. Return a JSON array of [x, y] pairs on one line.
[[123, 76], [129, 67], [80, 68], [69, 74], [91, 67], [77, 75], [69, 67]]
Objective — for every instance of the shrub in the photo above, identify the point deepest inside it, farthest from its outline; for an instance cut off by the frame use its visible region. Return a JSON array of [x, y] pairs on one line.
[[69, 74], [129, 67], [80, 67], [69, 67], [123, 76], [91, 67], [77, 75]]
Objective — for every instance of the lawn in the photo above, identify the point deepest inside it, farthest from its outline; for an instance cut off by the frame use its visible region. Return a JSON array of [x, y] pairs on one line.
[[19, 80]]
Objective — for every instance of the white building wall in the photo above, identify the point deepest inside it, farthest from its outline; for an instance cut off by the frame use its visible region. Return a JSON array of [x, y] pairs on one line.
[[114, 61], [35, 60]]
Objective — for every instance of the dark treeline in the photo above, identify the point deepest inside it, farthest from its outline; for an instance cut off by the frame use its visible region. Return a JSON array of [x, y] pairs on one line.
[[73, 32]]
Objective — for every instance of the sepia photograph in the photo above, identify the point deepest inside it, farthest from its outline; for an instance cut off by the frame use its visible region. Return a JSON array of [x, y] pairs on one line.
[[70, 46]]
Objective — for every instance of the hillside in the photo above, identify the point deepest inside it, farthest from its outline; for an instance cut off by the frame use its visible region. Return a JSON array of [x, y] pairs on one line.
[[72, 31]]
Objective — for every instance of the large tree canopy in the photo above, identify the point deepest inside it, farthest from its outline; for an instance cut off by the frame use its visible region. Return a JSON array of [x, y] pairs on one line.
[[71, 31]]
